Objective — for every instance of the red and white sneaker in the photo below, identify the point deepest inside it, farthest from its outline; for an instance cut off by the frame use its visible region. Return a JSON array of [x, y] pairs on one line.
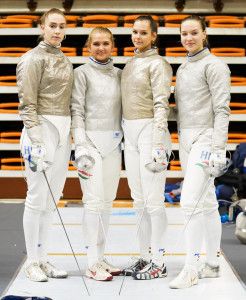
[[110, 268], [97, 272], [150, 271]]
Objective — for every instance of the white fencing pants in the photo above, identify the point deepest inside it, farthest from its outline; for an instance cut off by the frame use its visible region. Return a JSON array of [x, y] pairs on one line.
[[99, 191], [147, 188], [39, 205], [198, 198]]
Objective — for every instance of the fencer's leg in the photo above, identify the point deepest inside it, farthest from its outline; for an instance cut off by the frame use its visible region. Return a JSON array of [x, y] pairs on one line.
[[46, 219], [132, 163], [31, 231], [102, 234], [144, 234]]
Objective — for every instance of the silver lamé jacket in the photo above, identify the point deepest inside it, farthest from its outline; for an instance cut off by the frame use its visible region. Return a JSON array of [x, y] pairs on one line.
[[44, 80], [202, 95], [145, 85]]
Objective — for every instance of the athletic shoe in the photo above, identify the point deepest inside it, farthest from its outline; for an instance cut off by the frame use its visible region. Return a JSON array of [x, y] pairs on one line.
[[150, 271], [110, 268], [138, 265], [51, 271], [35, 273], [97, 272], [186, 278], [207, 271]]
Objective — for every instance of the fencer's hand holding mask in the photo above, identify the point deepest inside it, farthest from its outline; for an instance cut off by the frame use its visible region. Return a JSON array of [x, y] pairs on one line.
[[160, 160], [217, 163]]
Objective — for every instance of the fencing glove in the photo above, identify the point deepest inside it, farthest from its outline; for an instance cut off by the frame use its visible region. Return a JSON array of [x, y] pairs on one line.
[[160, 160]]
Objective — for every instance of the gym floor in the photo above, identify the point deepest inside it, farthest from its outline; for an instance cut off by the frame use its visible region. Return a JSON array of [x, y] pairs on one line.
[[121, 247]]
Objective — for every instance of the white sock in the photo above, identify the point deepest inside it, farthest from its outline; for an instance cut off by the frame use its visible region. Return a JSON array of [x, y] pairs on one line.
[[193, 238], [46, 219], [159, 225], [144, 234], [31, 223], [91, 228], [102, 233], [212, 224]]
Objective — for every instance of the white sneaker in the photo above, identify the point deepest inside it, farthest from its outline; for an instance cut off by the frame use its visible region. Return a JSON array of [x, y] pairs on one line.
[[207, 271], [97, 272], [110, 268], [34, 272], [186, 278], [51, 271]]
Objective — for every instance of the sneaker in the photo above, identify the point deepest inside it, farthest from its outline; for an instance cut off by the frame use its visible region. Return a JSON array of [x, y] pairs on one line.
[[207, 271], [138, 265], [35, 273], [97, 272], [110, 268], [150, 271], [186, 278], [51, 271]]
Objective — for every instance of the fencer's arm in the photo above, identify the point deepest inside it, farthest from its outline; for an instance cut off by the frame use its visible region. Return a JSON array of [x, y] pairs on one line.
[[160, 77], [218, 78], [78, 107], [29, 73]]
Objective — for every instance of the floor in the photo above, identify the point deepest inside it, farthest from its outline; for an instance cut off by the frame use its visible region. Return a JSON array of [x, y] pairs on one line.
[[121, 248]]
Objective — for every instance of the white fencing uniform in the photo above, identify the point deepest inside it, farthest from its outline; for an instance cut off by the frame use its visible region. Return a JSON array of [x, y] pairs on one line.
[[145, 85], [202, 97], [44, 79], [96, 109]]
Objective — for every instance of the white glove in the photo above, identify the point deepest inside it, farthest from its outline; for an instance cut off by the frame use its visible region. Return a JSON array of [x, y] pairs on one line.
[[217, 163], [35, 156], [159, 160], [84, 161]]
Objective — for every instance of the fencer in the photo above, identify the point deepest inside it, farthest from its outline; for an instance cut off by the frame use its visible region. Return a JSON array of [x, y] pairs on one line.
[[96, 127], [145, 85], [44, 80], [202, 96]]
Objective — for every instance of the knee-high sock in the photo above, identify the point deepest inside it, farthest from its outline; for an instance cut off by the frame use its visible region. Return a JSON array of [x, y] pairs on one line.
[[193, 238], [102, 233], [159, 225], [31, 221], [91, 228], [46, 219], [144, 234], [212, 226]]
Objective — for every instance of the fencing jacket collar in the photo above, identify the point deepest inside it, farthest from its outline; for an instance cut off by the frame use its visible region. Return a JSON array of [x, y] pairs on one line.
[[150, 52], [49, 48], [100, 65], [199, 55]]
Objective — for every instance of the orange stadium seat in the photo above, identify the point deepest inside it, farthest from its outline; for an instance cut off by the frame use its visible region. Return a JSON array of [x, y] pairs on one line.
[[175, 165], [10, 137], [174, 137], [175, 51], [13, 51], [100, 20], [237, 137], [71, 167], [72, 21], [128, 51], [15, 163], [9, 108], [225, 21], [238, 108], [228, 51], [173, 20], [85, 52], [238, 81], [129, 19], [69, 51], [8, 80], [16, 22]]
